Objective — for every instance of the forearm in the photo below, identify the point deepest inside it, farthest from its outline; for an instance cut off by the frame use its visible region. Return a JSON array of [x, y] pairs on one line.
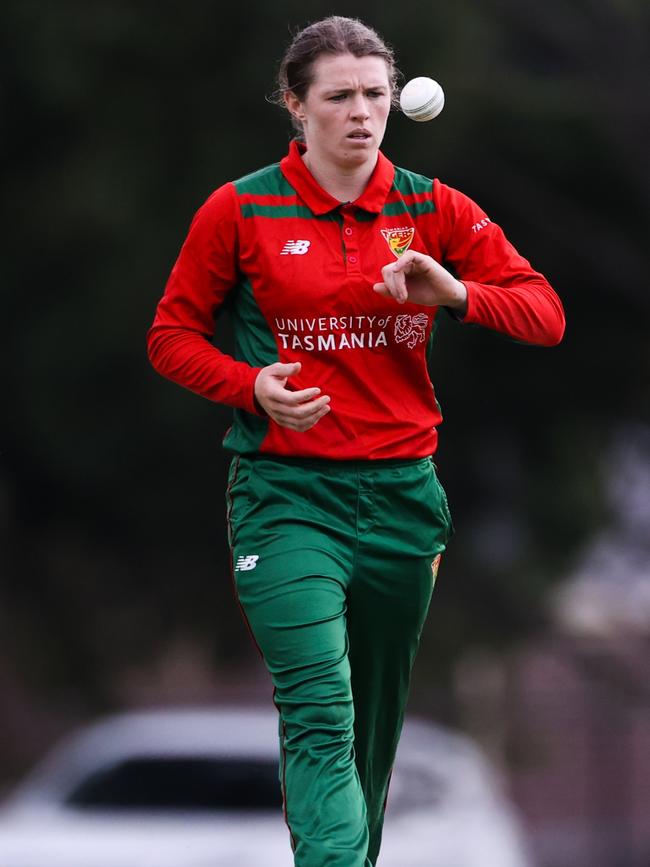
[[504, 292], [189, 359], [530, 312]]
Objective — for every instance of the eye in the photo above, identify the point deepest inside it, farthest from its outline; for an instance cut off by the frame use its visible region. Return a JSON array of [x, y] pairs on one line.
[[338, 97], [375, 94]]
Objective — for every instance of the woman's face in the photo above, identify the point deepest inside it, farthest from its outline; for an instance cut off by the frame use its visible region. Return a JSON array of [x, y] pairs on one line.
[[346, 108]]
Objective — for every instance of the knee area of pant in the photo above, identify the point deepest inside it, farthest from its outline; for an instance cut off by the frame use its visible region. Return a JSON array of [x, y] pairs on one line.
[[312, 724], [314, 684]]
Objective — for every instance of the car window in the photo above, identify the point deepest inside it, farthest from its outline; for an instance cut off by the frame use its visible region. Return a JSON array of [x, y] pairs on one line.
[[168, 783]]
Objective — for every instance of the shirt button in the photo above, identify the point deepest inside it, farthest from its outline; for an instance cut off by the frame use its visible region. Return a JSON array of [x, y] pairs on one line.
[[348, 231], [352, 260]]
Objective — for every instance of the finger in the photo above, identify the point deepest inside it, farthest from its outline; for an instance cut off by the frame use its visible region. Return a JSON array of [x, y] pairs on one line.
[[310, 423], [386, 291], [283, 398], [396, 282], [280, 369], [302, 425], [389, 283], [306, 410], [293, 398], [405, 261], [302, 412]]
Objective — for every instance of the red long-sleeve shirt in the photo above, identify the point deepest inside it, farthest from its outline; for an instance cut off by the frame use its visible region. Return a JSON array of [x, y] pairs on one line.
[[296, 269]]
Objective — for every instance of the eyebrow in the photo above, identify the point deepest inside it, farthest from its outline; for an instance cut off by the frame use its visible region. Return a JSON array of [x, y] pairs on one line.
[[345, 89]]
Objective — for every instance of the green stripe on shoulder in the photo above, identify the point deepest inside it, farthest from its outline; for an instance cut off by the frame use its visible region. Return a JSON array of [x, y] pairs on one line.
[[275, 211], [271, 182], [280, 212], [408, 182], [415, 209], [268, 181]]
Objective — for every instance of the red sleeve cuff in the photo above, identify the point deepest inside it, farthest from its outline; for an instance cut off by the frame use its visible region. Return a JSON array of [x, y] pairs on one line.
[[251, 405]]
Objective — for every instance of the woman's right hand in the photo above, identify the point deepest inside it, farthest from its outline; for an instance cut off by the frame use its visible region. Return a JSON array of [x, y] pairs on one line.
[[298, 410]]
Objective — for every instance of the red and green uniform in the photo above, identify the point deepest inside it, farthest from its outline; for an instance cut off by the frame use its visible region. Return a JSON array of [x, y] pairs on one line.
[[334, 530], [296, 271]]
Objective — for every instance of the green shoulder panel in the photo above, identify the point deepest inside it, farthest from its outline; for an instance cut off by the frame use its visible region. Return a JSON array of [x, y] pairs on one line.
[[268, 181], [409, 184]]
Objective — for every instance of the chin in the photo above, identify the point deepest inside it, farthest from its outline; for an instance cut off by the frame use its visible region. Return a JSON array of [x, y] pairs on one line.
[[357, 155]]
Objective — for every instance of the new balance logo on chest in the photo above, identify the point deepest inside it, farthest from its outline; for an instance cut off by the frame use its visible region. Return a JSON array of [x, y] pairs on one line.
[[295, 248]]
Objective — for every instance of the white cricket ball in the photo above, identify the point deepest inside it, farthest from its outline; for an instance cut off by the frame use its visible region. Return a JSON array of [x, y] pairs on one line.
[[422, 98]]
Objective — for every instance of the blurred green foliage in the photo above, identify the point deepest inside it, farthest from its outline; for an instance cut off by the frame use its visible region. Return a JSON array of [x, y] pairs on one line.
[[120, 118]]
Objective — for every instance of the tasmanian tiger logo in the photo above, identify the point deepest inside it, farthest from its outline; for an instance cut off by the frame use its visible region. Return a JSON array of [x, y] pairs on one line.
[[411, 329], [399, 240]]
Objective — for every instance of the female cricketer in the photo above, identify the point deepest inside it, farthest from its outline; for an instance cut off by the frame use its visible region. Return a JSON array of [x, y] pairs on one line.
[[334, 264]]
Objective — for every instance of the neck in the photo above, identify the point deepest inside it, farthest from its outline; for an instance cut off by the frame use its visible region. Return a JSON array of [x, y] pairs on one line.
[[345, 183]]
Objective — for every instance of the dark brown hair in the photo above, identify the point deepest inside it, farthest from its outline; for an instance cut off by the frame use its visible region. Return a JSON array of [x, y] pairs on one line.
[[333, 35]]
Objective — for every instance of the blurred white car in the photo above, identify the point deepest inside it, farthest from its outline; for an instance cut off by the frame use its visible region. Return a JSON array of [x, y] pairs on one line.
[[199, 788]]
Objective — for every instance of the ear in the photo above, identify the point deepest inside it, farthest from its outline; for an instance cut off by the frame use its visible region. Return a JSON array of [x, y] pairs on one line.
[[294, 105]]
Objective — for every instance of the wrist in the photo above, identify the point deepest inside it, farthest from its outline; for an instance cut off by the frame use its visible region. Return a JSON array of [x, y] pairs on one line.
[[458, 300], [459, 295], [257, 405]]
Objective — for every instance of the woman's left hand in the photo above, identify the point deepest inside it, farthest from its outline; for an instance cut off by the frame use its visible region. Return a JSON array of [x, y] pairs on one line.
[[418, 278]]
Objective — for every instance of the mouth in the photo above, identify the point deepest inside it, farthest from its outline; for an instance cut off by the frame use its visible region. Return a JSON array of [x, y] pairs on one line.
[[359, 135]]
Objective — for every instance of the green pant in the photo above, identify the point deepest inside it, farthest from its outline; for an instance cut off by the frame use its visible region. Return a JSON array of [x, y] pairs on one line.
[[333, 566]]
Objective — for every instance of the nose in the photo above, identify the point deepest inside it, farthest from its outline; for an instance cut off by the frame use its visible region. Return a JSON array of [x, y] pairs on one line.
[[359, 107]]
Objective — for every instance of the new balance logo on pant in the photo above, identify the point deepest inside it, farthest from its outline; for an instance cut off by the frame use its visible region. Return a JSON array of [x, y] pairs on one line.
[[246, 562]]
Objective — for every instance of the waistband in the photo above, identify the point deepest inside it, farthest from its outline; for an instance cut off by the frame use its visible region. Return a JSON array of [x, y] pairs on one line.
[[324, 464]]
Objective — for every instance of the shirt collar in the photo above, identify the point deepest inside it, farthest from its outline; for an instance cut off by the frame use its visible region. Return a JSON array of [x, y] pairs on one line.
[[319, 200]]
